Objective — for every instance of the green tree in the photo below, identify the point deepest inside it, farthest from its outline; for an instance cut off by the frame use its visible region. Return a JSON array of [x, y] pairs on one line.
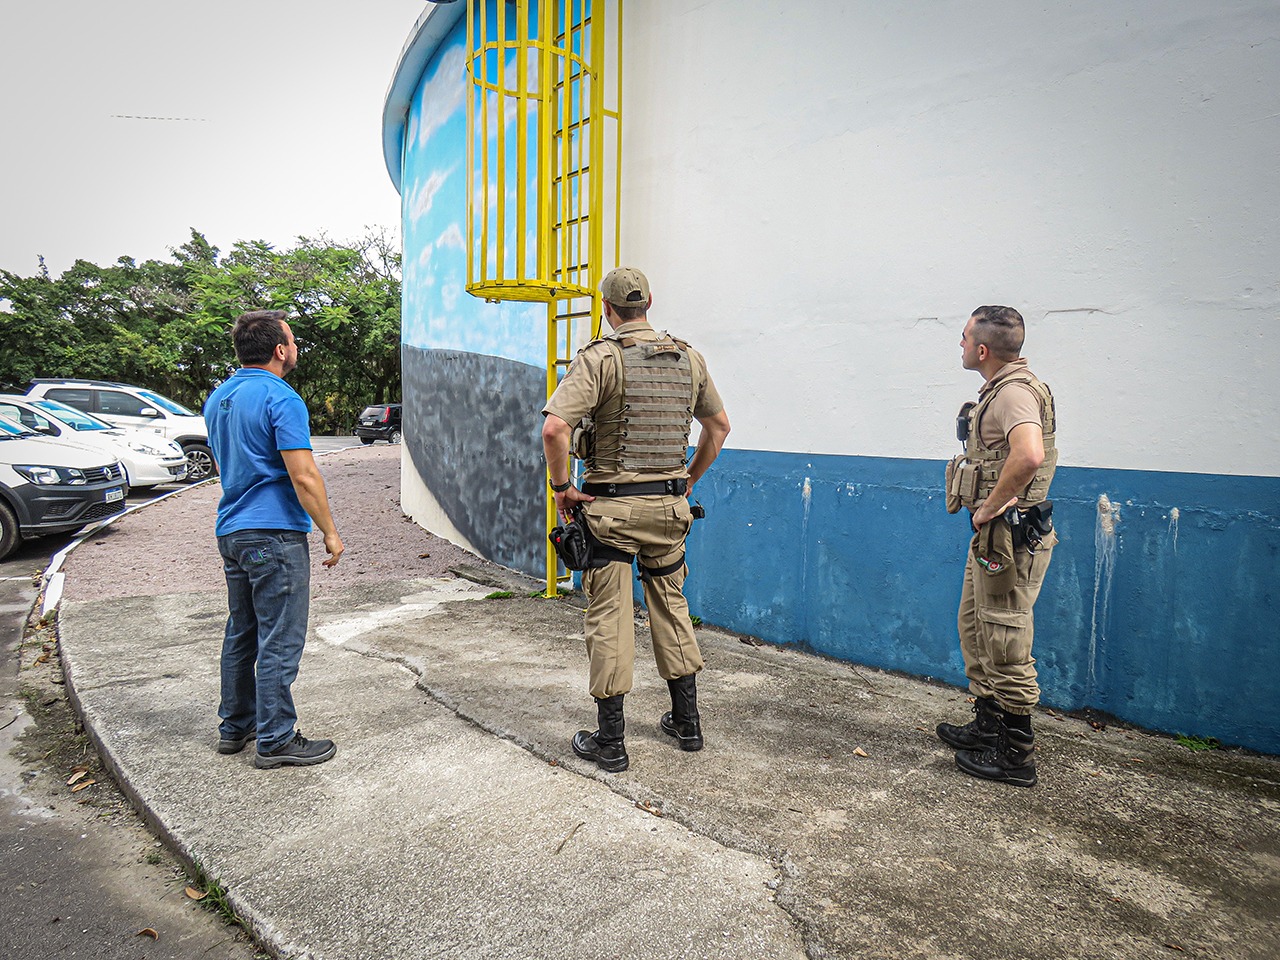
[[165, 324]]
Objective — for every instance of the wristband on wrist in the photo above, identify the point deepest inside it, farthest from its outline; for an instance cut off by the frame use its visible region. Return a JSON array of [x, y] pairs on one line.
[[562, 487]]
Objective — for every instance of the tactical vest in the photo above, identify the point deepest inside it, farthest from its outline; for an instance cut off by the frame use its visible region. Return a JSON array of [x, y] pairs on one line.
[[974, 475], [644, 427]]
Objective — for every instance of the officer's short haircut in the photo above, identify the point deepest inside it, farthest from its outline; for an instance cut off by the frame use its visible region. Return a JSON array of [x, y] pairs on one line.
[[256, 335], [1001, 329], [629, 313]]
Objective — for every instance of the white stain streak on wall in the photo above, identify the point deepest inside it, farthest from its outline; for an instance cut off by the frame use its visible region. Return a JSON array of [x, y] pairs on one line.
[[1104, 568], [1174, 514], [805, 213], [421, 506]]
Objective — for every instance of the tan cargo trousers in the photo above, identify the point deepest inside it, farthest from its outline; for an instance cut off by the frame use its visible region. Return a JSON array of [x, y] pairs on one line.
[[996, 630], [654, 528]]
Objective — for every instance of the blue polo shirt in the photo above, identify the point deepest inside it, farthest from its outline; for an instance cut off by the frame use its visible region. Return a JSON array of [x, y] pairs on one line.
[[251, 418]]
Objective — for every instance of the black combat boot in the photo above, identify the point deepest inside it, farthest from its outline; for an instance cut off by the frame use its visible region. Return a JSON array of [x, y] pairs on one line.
[[605, 746], [683, 722], [979, 733], [1011, 760]]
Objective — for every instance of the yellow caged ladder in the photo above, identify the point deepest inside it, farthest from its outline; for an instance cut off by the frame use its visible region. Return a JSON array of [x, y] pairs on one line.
[[541, 190]]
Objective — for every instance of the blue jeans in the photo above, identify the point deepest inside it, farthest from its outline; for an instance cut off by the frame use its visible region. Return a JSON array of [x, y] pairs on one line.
[[268, 592]]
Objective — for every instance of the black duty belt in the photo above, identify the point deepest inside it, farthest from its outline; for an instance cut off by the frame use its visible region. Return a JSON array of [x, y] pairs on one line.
[[654, 488]]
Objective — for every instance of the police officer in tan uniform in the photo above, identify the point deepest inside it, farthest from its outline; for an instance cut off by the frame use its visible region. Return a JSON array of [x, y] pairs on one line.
[[626, 406], [1003, 479]]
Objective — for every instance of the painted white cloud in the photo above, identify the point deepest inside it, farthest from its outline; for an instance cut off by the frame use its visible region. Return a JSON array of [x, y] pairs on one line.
[[421, 198], [449, 294], [452, 237], [442, 95]]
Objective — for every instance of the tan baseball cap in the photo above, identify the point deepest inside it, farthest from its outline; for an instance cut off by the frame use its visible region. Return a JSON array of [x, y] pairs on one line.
[[626, 287]]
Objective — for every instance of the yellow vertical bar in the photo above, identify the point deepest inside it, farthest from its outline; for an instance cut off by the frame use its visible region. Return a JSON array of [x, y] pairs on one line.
[[522, 134], [484, 142], [545, 140], [499, 119], [471, 139], [566, 118], [596, 226], [553, 570], [586, 92], [617, 196]]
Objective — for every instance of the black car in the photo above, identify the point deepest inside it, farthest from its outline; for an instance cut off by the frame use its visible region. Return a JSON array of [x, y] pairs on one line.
[[379, 422]]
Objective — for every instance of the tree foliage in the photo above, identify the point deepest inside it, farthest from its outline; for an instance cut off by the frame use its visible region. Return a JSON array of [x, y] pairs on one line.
[[166, 324]]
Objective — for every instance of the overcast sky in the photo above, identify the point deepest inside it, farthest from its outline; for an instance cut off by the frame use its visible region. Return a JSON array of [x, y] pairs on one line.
[[275, 111]]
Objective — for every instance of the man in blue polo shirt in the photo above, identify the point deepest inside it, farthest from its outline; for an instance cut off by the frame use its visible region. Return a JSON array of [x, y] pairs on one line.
[[260, 433]]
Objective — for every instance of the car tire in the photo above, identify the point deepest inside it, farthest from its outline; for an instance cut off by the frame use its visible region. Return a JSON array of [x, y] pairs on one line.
[[200, 463], [10, 535], [366, 440], [395, 437]]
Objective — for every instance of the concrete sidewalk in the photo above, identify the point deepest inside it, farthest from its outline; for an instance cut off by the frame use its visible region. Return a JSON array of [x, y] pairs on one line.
[[823, 819]]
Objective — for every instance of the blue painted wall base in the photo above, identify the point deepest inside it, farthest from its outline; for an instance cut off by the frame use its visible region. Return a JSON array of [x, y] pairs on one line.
[[1163, 613]]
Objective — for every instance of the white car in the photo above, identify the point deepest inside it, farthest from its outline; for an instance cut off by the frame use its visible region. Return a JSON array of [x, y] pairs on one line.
[[137, 408], [148, 459], [47, 486]]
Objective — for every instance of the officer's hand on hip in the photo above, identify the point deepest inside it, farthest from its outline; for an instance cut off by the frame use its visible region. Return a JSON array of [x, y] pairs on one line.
[[986, 513], [566, 500]]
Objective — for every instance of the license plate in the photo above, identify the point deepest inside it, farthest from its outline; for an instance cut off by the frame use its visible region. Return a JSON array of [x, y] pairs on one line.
[[114, 494]]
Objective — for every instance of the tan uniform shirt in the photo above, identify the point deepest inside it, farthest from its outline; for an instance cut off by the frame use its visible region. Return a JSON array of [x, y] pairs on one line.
[[1015, 403], [593, 378]]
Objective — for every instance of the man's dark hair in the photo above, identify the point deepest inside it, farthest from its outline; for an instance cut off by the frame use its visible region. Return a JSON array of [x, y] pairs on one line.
[[256, 335], [1001, 329], [629, 313]]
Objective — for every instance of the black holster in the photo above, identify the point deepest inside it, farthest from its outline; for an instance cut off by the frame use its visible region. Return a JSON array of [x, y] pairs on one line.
[[1030, 526], [578, 549]]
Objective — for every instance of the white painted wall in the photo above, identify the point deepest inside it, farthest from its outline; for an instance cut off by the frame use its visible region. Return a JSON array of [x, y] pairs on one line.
[[820, 192]]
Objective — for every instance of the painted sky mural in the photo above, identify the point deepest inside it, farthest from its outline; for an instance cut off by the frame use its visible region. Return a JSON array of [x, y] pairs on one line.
[[438, 313]]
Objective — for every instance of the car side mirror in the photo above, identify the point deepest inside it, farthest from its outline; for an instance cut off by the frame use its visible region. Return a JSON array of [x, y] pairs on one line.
[[148, 412], [49, 430]]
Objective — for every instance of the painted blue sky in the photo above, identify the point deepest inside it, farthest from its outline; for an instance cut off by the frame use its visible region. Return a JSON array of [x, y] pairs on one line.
[[438, 313]]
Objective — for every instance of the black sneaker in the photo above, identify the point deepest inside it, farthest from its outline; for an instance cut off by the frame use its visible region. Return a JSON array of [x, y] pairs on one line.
[[1011, 760], [687, 733], [979, 733], [609, 757], [298, 752], [236, 744]]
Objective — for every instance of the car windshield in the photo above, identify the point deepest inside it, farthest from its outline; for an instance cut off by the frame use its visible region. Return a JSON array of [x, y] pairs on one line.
[[9, 430], [164, 403], [77, 420]]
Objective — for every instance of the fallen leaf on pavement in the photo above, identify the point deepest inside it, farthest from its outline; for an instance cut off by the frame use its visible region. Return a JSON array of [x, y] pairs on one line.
[[859, 752], [77, 776], [1136, 760], [80, 786], [147, 932], [195, 894], [423, 556], [648, 808]]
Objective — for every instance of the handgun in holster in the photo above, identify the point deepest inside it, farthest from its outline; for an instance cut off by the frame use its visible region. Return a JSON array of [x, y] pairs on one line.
[[1030, 526]]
